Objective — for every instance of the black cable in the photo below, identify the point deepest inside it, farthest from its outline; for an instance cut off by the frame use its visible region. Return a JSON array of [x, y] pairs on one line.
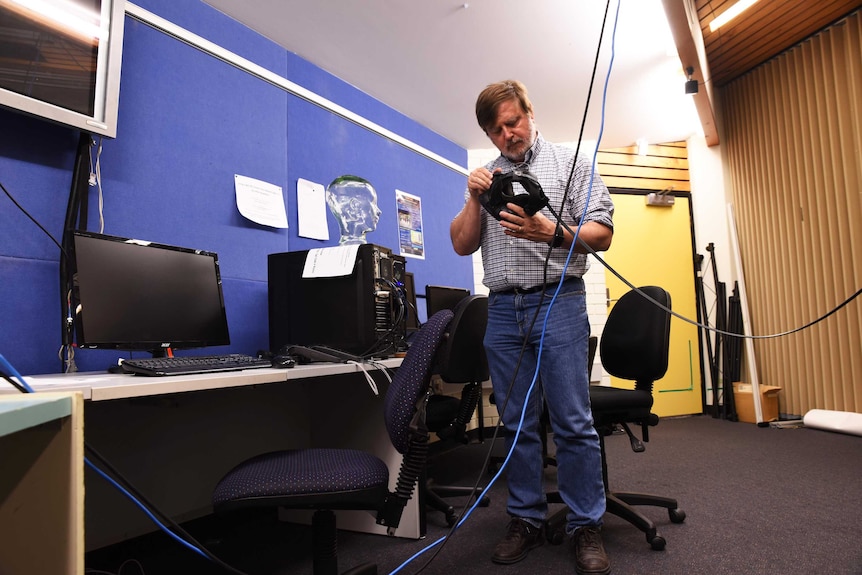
[[707, 327], [26, 213], [502, 410], [14, 383]]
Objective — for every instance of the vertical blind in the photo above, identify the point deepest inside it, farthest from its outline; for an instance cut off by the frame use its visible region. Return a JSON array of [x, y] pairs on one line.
[[793, 151]]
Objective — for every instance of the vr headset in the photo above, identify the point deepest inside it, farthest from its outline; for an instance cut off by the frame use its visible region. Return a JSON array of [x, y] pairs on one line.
[[500, 193]]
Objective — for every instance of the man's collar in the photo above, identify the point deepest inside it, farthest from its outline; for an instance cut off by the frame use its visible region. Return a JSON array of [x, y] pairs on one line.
[[534, 149]]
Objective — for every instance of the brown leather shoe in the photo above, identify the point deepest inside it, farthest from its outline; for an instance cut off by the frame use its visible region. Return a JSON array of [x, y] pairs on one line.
[[520, 538], [590, 556]]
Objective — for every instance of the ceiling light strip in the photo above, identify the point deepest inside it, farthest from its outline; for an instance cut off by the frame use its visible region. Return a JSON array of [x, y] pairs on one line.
[[730, 14], [204, 45]]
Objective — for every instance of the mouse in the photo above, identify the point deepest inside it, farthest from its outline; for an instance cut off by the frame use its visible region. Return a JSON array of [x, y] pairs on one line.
[[283, 361], [117, 369]]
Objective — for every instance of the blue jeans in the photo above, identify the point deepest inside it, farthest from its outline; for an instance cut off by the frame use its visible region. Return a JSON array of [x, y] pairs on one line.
[[564, 383]]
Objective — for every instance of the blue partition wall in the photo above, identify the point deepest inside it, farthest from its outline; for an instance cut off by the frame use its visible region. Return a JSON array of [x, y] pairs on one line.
[[188, 122]]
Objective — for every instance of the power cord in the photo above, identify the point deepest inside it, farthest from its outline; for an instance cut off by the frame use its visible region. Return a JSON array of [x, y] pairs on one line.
[[135, 562]]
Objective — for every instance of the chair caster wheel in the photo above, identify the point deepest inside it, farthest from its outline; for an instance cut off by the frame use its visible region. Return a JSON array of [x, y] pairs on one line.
[[555, 536], [676, 515], [657, 542], [484, 501], [451, 518]]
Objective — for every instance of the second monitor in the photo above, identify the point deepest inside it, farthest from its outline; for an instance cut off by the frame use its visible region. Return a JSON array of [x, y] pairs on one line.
[[443, 297]]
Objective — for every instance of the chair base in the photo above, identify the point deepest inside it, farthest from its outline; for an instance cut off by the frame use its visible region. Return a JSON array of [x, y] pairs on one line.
[[620, 504], [434, 498], [325, 545]]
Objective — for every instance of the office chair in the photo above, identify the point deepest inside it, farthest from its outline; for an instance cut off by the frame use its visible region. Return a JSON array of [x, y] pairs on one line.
[[332, 479], [634, 346], [461, 360]]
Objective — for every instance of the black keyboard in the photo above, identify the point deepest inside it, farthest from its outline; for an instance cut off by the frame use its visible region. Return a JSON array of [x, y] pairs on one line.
[[190, 365]]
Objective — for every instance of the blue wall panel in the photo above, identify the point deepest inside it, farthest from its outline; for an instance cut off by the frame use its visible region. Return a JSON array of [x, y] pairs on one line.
[[328, 86], [35, 167], [185, 130], [323, 147], [189, 122], [30, 304]]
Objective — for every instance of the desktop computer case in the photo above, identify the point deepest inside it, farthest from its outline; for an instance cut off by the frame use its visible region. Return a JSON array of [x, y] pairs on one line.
[[355, 313]]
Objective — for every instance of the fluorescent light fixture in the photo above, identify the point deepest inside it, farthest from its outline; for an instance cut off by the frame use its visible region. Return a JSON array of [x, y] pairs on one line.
[[72, 17], [730, 14]]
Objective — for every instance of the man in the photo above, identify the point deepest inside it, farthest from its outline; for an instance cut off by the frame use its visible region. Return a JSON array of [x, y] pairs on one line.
[[514, 250]]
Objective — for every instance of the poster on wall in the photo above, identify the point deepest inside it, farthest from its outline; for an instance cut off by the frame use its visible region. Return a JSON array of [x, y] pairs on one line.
[[410, 236], [260, 202]]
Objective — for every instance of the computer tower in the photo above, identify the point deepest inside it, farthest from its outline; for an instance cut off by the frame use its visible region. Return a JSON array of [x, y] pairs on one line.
[[362, 313]]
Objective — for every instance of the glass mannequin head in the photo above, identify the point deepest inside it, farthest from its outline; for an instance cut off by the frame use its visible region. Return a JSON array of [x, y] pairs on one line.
[[353, 202]]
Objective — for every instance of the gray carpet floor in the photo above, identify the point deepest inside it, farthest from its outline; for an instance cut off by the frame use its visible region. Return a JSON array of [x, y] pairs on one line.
[[757, 501]]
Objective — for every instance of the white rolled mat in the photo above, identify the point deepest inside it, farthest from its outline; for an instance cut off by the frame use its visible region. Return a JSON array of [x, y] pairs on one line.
[[840, 421]]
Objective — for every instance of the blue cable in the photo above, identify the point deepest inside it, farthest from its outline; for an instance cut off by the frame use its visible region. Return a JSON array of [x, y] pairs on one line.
[[143, 508], [550, 305]]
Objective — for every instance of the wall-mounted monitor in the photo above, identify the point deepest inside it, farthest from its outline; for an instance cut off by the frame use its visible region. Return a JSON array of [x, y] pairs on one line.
[[142, 296], [60, 60]]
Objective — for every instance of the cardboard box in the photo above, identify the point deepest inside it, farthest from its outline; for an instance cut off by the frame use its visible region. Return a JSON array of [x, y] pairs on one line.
[[743, 399]]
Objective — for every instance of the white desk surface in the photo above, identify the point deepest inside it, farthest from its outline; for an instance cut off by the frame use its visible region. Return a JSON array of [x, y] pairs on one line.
[[101, 386], [184, 499]]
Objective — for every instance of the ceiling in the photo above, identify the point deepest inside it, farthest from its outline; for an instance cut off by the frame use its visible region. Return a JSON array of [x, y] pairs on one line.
[[430, 59]]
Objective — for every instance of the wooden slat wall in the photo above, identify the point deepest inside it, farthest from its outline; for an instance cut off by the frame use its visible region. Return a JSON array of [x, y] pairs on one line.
[[665, 166], [761, 32], [793, 145]]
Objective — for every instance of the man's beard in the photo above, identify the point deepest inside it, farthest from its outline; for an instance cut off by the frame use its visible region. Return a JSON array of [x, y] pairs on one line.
[[515, 152]]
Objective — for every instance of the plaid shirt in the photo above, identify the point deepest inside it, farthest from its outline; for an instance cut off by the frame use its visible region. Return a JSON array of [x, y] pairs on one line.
[[515, 262]]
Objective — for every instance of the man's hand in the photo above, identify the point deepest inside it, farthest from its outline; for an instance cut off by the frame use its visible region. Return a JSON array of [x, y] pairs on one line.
[[479, 181], [516, 223]]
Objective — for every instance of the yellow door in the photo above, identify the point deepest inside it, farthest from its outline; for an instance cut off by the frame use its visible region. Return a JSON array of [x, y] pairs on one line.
[[653, 246]]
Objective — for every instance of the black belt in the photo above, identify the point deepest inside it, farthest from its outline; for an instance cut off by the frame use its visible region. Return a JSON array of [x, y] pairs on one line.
[[548, 287]]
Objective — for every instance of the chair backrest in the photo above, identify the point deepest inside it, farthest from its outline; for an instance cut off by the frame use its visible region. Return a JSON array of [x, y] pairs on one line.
[[462, 356], [412, 379], [636, 337]]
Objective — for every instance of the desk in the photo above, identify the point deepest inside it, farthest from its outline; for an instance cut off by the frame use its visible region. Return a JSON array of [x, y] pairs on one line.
[[41, 487], [174, 437]]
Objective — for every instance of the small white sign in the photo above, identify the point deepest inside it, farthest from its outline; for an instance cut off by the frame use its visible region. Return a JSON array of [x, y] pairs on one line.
[[311, 210], [330, 262]]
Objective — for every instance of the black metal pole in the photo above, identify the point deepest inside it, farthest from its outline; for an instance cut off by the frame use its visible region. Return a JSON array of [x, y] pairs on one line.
[[75, 213]]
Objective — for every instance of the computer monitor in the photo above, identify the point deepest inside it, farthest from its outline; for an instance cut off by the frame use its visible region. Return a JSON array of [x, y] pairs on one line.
[[411, 313], [443, 297], [142, 296]]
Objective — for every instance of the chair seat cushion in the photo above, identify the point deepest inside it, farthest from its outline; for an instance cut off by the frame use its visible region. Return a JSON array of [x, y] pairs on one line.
[[619, 404], [304, 477]]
